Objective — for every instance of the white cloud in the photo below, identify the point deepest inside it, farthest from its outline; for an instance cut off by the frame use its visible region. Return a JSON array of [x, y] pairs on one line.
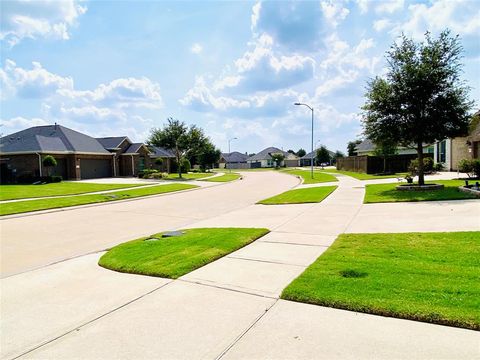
[[19, 123], [40, 83], [382, 24], [363, 5], [389, 6], [462, 17], [334, 11], [196, 48], [38, 19]]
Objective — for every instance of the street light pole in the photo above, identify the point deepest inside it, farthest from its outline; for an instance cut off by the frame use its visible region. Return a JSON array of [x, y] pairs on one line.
[[311, 109], [229, 141]]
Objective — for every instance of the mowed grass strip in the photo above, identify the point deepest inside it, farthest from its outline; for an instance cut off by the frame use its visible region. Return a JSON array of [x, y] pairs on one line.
[[13, 192], [189, 176], [45, 204], [381, 193], [431, 277], [172, 257], [224, 178], [363, 176], [318, 177], [300, 196]]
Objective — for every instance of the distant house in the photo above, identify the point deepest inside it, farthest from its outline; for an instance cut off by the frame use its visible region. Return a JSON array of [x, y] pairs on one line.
[[450, 151], [306, 160], [367, 147], [233, 160], [291, 160], [264, 158], [78, 155]]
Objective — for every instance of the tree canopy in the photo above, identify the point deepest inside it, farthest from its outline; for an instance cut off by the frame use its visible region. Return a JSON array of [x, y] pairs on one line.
[[421, 99], [323, 155], [352, 146], [301, 152], [186, 142]]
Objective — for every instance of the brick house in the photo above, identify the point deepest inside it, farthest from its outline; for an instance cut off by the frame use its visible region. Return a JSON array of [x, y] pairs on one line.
[[78, 156]]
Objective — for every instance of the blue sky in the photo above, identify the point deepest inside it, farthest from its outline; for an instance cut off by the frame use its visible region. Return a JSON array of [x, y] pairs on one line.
[[234, 68]]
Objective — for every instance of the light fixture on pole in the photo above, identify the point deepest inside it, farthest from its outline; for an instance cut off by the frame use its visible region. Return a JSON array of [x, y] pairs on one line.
[[229, 141], [311, 160]]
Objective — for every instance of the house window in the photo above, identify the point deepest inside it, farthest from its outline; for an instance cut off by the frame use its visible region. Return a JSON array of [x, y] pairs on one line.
[[441, 151], [141, 166], [269, 162]]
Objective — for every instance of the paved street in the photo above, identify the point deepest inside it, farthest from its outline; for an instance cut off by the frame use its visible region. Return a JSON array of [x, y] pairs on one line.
[[226, 309]]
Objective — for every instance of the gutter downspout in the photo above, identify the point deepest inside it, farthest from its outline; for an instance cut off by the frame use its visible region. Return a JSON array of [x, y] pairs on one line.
[[114, 165], [133, 169], [39, 163]]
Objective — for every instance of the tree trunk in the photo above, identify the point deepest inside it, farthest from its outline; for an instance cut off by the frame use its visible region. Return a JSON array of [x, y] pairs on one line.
[[421, 176], [384, 164], [179, 165]]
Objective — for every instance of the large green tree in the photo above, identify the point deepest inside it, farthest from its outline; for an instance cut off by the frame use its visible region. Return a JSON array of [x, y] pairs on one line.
[[323, 155], [183, 140], [421, 99], [208, 156]]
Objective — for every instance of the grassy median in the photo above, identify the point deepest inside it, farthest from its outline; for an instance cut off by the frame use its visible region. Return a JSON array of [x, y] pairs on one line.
[[45, 204], [172, 257], [12, 192], [224, 178], [306, 175], [363, 176], [381, 193], [431, 277], [300, 196]]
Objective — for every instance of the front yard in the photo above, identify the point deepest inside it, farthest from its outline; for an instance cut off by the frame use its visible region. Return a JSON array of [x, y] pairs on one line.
[[12, 192], [431, 277], [318, 177], [53, 203], [380, 193]]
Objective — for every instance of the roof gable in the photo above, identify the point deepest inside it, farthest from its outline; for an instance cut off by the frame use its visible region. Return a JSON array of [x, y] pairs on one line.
[[265, 154], [113, 142]]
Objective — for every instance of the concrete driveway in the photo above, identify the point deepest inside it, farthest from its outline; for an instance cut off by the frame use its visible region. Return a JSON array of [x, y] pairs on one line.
[[226, 309]]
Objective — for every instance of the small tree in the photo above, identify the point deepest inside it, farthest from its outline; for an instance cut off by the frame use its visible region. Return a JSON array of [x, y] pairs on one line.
[[338, 154], [301, 152], [49, 162], [159, 161], [385, 149], [277, 159], [208, 156], [422, 99], [323, 155], [352, 147]]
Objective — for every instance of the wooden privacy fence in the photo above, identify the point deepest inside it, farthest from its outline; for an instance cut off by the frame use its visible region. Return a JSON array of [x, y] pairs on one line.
[[374, 164]]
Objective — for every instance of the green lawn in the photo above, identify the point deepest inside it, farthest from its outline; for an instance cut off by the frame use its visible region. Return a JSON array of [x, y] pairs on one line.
[[431, 277], [189, 176], [318, 177], [387, 193], [44, 204], [224, 178], [11, 192], [363, 176], [300, 196], [176, 256]]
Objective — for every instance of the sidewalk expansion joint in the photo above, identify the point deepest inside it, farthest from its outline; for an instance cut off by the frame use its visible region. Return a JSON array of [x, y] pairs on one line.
[[200, 282], [291, 243], [77, 328], [242, 334], [264, 261]]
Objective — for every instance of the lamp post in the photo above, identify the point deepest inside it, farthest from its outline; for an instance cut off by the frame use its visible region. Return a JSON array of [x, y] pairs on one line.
[[311, 160], [229, 141]]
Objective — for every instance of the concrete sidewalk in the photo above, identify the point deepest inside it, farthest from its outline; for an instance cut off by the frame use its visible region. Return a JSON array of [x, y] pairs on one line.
[[228, 308]]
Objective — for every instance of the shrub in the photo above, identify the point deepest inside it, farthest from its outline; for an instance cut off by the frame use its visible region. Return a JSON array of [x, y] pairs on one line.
[[56, 179], [144, 173], [156, 175], [439, 167], [470, 167], [427, 166], [186, 166]]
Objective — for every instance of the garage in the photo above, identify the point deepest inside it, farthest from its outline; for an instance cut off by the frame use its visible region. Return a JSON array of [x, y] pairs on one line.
[[95, 168]]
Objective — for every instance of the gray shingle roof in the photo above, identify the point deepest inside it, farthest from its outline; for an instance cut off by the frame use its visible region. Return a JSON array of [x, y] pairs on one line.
[[314, 154], [365, 145], [50, 138], [265, 154], [156, 151], [235, 157], [133, 149], [112, 142]]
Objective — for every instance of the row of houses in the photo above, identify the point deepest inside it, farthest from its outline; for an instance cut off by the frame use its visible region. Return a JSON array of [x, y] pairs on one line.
[[237, 160], [78, 155]]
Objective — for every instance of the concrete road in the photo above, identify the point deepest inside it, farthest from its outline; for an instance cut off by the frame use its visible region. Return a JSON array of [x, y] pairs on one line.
[[29, 242], [226, 309]]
